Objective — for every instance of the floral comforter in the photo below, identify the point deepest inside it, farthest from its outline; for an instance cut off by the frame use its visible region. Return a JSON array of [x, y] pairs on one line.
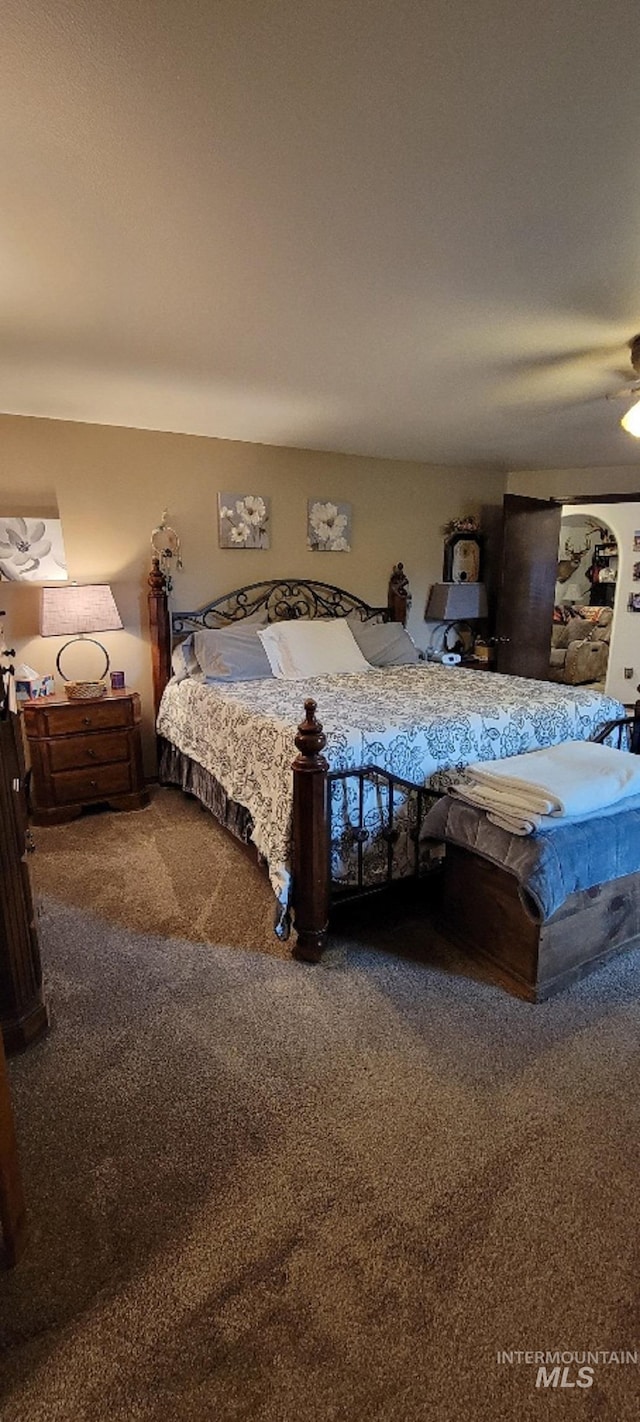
[[418, 722]]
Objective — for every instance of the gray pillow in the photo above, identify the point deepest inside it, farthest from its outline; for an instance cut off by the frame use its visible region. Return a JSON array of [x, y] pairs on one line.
[[384, 644], [231, 654], [183, 662]]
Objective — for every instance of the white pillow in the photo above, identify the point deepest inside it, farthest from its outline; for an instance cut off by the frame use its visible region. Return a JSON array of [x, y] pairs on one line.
[[312, 648]]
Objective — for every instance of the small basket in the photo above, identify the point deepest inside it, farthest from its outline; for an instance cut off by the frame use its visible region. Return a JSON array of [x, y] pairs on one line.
[[85, 690]]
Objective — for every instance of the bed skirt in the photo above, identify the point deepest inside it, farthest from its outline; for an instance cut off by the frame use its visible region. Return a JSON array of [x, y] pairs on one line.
[[177, 769]]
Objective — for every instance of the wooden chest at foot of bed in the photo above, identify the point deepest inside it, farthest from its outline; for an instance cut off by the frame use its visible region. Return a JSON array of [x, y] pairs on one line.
[[482, 913]]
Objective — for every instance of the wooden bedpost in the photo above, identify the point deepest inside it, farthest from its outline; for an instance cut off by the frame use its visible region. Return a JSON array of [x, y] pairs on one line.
[[160, 631], [311, 887], [399, 597]]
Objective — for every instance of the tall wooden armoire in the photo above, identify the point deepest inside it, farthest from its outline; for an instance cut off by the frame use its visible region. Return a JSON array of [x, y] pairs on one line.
[[23, 1013]]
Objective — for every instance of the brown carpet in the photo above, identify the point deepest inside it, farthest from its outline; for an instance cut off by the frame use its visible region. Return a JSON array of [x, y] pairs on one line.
[[265, 1191], [170, 869]]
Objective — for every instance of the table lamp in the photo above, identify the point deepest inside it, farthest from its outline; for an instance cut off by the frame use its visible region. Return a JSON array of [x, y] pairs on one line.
[[451, 603], [72, 611]]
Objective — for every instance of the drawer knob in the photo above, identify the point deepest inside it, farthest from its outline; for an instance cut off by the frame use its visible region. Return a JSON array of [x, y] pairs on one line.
[[91, 754], [86, 720], [93, 784]]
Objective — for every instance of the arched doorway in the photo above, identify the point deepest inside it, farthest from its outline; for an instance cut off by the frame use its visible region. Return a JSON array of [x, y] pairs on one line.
[[588, 560]]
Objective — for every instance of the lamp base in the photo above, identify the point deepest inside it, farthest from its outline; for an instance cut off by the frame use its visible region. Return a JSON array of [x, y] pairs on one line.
[[85, 690]]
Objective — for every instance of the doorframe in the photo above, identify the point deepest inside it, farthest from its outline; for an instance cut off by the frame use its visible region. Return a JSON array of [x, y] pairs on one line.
[[603, 499], [598, 499]]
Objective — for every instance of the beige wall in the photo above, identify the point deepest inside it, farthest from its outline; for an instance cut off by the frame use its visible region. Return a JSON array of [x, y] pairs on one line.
[[110, 486]]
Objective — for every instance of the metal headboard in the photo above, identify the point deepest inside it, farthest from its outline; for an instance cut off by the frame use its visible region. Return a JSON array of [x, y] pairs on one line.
[[282, 600]]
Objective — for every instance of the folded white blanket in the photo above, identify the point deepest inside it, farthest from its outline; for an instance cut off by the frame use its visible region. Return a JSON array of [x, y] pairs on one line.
[[573, 778], [502, 811]]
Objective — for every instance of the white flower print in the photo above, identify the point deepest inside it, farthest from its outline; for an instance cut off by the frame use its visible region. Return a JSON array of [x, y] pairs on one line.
[[328, 527], [27, 549], [243, 521], [251, 508]]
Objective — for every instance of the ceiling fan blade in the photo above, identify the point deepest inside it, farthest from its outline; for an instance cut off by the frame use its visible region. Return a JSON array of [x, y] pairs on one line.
[[628, 392], [582, 359]]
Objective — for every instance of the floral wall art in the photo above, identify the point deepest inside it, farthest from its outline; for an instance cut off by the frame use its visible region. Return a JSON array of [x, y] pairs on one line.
[[243, 521], [328, 527], [32, 550]]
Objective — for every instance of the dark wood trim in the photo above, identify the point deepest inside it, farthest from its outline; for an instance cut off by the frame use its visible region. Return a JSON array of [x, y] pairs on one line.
[[23, 1011], [598, 499], [13, 1215], [310, 850]]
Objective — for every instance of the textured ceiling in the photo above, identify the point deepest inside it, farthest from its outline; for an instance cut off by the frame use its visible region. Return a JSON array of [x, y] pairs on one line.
[[394, 227]]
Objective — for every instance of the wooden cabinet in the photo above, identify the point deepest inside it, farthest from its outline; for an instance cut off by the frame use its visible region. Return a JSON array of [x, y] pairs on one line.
[[477, 664], [84, 753], [13, 1216], [23, 1014]]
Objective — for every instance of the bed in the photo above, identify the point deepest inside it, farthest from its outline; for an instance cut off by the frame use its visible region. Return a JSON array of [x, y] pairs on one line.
[[346, 816]]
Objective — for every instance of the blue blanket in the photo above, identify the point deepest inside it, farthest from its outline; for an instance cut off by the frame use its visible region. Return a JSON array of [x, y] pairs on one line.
[[553, 864]]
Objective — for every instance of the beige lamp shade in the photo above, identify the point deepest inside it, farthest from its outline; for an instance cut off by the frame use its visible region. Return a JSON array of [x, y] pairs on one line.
[[71, 610], [456, 602]]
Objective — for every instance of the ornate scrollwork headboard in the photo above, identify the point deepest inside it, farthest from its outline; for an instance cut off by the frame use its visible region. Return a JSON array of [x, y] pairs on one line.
[[281, 599]]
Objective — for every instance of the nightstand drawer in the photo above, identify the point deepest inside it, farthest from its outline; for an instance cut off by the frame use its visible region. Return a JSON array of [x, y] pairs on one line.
[[88, 716], [71, 786], [98, 748]]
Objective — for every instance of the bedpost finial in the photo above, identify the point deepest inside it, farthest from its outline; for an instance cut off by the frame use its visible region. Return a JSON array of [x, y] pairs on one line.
[[310, 738], [399, 597], [156, 579]]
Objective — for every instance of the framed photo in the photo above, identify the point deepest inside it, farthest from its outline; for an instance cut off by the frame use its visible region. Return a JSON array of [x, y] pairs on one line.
[[243, 520], [463, 558], [636, 541], [634, 602]]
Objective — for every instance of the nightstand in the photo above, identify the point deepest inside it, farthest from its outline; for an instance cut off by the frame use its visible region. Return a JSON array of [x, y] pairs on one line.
[[84, 753], [477, 664]]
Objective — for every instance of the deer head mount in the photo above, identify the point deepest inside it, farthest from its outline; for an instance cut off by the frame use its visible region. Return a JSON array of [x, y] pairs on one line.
[[572, 561]]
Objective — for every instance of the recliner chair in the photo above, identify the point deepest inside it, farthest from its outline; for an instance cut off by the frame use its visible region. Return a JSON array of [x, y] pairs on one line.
[[580, 646]]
